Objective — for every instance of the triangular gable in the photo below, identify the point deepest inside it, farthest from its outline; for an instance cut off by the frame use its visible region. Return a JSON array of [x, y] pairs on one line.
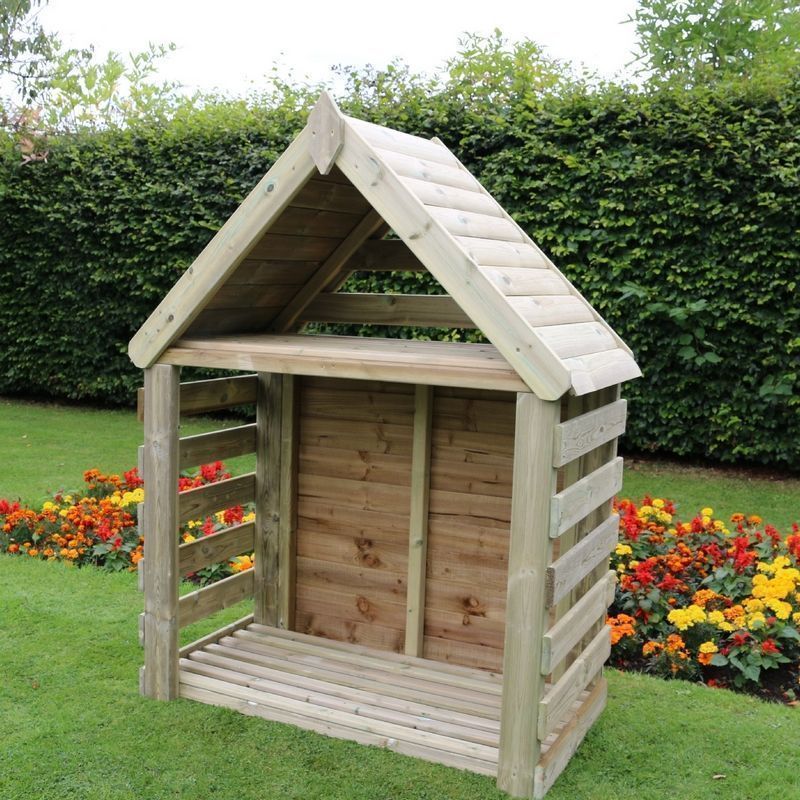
[[500, 279]]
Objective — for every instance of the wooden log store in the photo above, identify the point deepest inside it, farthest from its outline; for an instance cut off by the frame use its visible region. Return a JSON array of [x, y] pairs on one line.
[[433, 519]]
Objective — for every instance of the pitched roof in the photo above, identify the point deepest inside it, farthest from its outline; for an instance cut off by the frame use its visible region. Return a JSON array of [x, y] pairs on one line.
[[340, 184]]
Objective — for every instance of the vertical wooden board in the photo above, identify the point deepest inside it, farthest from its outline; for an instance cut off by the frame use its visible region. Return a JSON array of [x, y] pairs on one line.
[[268, 501], [467, 531], [161, 418], [287, 525], [418, 522], [352, 530]]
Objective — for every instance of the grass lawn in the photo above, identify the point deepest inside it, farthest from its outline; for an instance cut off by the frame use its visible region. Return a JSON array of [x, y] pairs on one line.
[[72, 724], [45, 448]]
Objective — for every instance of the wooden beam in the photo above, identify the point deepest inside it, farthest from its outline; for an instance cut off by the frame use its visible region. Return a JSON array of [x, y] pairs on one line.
[[327, 133], [418, 520], [200, 397], [215, 636], [578, 436], [384, 255], [198, 503], [579, 500], [230, 245], [161, 532], [204, 602], [564, 574], [287, 524], [534, 482], [217, 445], [267, 486], [327, 272], [221, 546], [572, 627], [422, 310]]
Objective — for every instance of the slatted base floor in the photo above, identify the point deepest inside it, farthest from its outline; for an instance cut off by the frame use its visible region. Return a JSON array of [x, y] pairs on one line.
[[435, 711]]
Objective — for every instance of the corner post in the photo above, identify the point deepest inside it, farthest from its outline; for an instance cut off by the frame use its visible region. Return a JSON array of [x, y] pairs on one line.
[[534, 483], [268, 499], [161, 420]]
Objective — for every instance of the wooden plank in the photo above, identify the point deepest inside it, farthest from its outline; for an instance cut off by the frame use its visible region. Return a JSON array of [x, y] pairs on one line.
[[240, 296], [216, 445], [551, 310], [421, 310], [220, 321], [327, 271], [384, 255], [478, 366], [297, 221], [424, 170], [529, 549], [491, 253], [195, 504], [280, 247], [563, 748], [433, 194], [326, 195], [577, 339], [287, 273], [402, 143], [200, 397], [267, 496], [287, 523], [161, 532], [449, 261], [571, 628], [476, 225], [210, 638], [556, 704], [230, 245], [578, 561], [600, 370], [204, 602], [579, 435], [331, 722], [577, 501], [327, 133], [222, 546], [526, 281], [470, 655], [418, 520]]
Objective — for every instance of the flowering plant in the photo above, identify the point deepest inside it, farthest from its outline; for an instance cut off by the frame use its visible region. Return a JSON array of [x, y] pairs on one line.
[[98, 526], [707, 600]]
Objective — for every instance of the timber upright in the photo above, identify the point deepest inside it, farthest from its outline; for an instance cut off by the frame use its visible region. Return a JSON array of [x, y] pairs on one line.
[[433, 519]]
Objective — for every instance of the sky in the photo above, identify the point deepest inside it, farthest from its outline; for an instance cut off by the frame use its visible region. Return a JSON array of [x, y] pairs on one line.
[[232, 45]]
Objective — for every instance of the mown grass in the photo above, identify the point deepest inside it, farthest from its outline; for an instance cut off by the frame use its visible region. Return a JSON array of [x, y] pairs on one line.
[[72, 724], [44, 448]]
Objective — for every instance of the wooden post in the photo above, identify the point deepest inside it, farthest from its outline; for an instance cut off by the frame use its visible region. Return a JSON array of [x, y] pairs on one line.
[[287, 525], [268, 475], [534, 483], [161, 416], [418, 520]]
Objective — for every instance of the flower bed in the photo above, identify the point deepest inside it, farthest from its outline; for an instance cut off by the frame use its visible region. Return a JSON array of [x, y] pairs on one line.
[[98, 525], [707, 600]]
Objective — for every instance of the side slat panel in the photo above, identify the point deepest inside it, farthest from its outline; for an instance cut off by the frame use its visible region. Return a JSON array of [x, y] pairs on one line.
[[221, 546], [578, 436], [217, 445], [196, 503], [210, 599], [200, 397]]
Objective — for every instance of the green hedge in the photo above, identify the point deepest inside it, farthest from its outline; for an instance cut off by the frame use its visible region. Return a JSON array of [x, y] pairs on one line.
[[675, 213]]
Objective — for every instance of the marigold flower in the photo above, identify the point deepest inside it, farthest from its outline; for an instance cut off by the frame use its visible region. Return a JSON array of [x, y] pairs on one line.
[[707, 512]]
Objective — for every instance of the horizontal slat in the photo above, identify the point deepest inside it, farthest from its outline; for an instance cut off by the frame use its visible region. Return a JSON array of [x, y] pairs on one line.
[[576, 623], [200, 397], [424, 170], [475, 366], [403, 143], [197, 503], [577, 339], [574, 565], [593, 372], [298, 221], [552, 763], [556, 704], [321, 193], [210, 599], [216, 445], [551, 310], [221, 546], [488, 252], [581, 498], [526, 281], [439, 311], [276, 246], [251, 296], [435, 194], [483, 226], [579, 435], [212, 637], [384, 255]]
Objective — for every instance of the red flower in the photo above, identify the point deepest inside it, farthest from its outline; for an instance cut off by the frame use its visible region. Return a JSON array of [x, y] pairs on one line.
[[740, 639], [233, 516], [769, 647]]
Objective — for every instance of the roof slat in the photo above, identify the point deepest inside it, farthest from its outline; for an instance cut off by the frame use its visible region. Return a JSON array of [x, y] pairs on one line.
[[482, 226]]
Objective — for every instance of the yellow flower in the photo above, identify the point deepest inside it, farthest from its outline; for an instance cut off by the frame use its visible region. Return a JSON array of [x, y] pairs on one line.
[[48, 506], [187, 537], [756, 620], [796, 618], [753, 605], [658, 503], [708, 647], [683, 618], [782, 610], [707, 512], [623, 549], [716, 618]]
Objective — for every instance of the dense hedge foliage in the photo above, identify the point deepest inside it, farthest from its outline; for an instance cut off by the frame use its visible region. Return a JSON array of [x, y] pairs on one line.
[[674, 212]]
